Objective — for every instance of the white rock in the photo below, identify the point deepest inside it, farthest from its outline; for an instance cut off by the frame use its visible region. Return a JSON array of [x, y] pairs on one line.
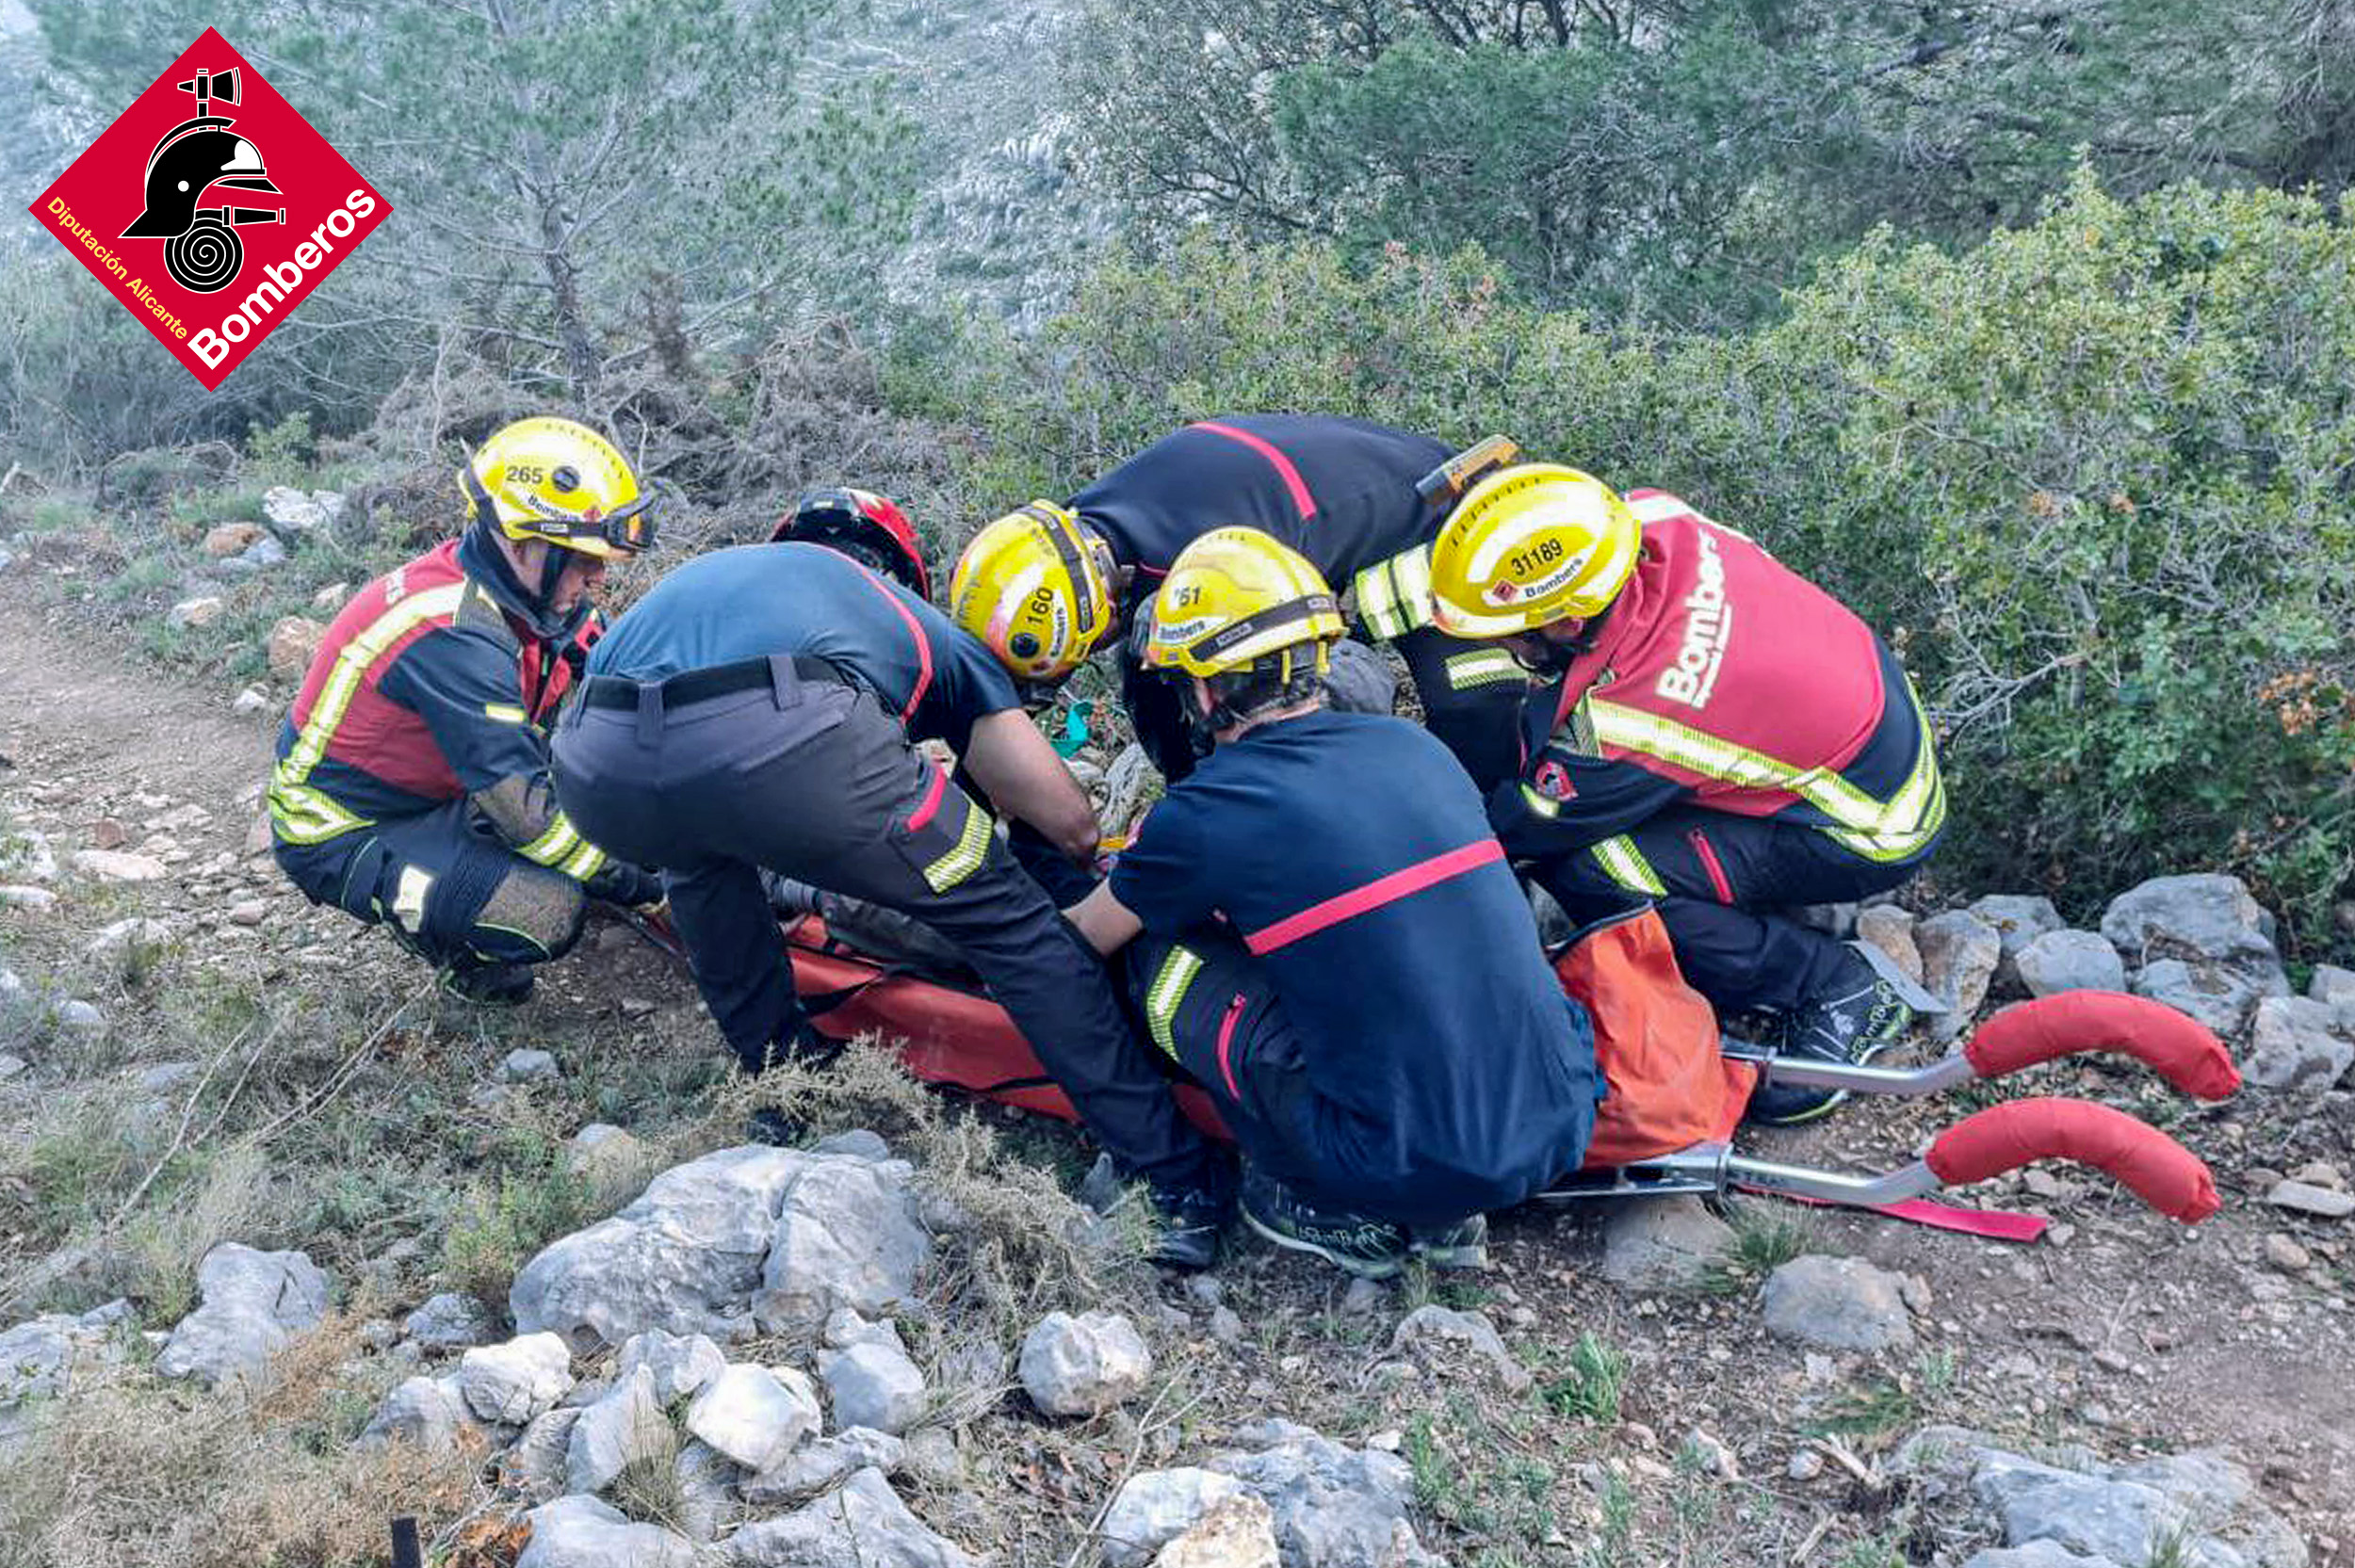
[[625, 1427], [2305, 1198], [202, 611], [824, 1463], [846, 1235], [1084, 1365], [119, 865], [1960, 952], [254, 1303], [706, 1490], [449, 1321], [582, 1533], [682, 1365], [121, 934], [512, 1383], [82, 1016], [1837, 1303], [1155, 1507], [428, 1413], [2295, 1048], [253, 700], [2060, 960], [1236, 1532], [2017, 918], [289, 509], [1430, 1329], [24, 896], [754, 1414], [535, 1467], [249, 912], [862, 1524], [2216, 995], [1889, 927], [11, 1066], [1663, 1243], [26, 857], [1333, 1507], [875, 1384], [2332, 985], [530, 1066]]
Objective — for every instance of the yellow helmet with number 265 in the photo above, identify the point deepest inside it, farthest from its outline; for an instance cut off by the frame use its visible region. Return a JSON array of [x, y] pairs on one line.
[[1237, 599], [1530, 545], [559, 480]]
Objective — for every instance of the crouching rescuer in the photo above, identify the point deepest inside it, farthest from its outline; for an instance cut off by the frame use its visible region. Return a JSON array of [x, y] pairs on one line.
[[1321, 929], [411, 788], [1719, 736]]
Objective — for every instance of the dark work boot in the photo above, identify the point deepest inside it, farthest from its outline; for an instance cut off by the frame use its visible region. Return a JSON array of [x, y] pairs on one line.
[[1852, 1019], [1191, 1220], [1462, 1245], [503, 985], [1357, 1244]]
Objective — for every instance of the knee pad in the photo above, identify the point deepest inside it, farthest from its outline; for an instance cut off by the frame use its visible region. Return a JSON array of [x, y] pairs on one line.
[[529, 915]]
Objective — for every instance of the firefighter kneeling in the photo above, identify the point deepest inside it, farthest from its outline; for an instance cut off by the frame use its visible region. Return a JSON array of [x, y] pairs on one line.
[[1721, 736], [1332, 943], [412, 787]]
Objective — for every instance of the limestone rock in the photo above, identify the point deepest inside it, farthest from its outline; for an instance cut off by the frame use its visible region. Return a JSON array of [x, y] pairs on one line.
[[203, 611], [449, 1321], [535, 1467], [754, 1414], [2120, 1519], [293, 642], [1333, 1507], [875, 1384], [253, 1304], [250, 700], [824, 1463], [1155, 1507], [40, 1359], [2216, 995], [428, 1413], [1434, 1328], [120, 936], [530, 1066], [513, 1383], [846, 1235], [35, 900], [1837, 1303], [2018, 918], [861, 1525], [610, 1158], [2036, 1554], [119, 865], [2061, 961], [685, 1257], [289, 509], [1236, 1532], [706, 1490], [1889, 927], [2294, 1047], [625, 1427], [1664, 1243], [2323, 1203], [682, 1365], [2332, 985], [1960, 952], [582, 1533], [2216, 938], [232, 538], [1084, 1365]]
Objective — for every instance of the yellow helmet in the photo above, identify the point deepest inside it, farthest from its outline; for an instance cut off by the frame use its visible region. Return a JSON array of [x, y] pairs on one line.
[[1035, 586], [1530, 545], [1237, 597], [559, 480]]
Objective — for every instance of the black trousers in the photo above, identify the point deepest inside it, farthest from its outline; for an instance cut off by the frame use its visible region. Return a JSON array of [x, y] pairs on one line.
[[1716, 880], [813, 780], [444, 886]]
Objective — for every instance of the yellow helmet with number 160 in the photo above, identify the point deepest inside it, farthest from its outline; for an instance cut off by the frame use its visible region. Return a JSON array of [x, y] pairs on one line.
[[1236, 600], [1530, 545], [1035, 586]]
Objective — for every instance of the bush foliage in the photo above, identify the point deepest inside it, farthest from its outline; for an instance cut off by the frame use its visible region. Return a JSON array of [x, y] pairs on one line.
[[2093, 477]]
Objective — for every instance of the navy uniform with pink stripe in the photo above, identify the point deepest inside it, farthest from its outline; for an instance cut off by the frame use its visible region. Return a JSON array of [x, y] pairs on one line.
[[1336, 946], [759, 709]]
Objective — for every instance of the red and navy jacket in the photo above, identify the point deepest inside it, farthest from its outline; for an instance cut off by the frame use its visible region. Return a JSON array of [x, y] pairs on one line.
[[1342, 491], [1720, 678], [428, 687]]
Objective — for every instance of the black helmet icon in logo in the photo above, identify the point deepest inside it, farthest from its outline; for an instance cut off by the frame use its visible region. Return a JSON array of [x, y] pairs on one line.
[[195, 159]]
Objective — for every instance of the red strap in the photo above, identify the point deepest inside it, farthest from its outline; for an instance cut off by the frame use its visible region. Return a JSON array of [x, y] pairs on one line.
[[1283, 465], [915, 635], [1995, 1224], [1374, 895], [1225, 1045], [930, 804]]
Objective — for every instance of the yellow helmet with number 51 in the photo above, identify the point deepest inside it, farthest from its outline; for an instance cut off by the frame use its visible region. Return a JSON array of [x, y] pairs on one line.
[[1238, 601], [1529, 545]]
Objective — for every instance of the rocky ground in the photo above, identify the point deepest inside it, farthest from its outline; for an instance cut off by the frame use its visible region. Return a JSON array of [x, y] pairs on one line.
[[292, 1246]]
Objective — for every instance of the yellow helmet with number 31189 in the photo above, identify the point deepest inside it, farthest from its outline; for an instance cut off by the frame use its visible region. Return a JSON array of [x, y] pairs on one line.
[[1237, 599], [1530, 545]]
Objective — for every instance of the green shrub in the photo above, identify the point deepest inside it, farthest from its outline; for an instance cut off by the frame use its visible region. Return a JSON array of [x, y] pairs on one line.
[[2092, 478]]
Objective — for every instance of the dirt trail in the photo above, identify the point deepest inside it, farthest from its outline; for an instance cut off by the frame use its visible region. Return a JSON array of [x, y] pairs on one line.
[[2135, 1332]]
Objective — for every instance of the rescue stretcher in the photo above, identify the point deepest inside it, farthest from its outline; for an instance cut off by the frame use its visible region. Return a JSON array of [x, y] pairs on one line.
[[1678, 1087]]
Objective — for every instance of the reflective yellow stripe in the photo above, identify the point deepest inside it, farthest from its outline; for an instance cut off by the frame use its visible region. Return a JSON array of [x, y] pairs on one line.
[[1881, 830], [559, 839], [1394, 595], [1168, 990], [1541, 803], [1484, 667], [298, 809], [965, 859], [586, 862], [1378, 603], [505, 713], [1625, 864], [409, 897]]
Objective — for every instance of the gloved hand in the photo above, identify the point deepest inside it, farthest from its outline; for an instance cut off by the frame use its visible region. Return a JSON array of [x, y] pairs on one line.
[[626, 883]]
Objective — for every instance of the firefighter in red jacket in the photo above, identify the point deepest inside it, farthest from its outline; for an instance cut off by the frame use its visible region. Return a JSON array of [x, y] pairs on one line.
[[411, 788], [1719, 735]]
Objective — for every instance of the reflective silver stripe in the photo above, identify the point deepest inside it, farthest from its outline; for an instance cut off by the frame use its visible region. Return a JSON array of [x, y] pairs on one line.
[[1168, 990], [1625, 864], [1484, 667], [1541, 803]]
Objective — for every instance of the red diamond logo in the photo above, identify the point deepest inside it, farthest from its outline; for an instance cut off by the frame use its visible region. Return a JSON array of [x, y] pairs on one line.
[[211, 208]]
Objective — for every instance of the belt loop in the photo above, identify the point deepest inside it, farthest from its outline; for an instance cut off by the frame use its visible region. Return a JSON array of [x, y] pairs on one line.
[[785, 682], [649, 711]]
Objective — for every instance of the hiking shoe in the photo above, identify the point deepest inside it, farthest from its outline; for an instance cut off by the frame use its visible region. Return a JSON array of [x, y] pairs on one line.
[[1191, 1219], [1355, 1243], [503, 985], [1462, 1245], [1852, 1020]]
